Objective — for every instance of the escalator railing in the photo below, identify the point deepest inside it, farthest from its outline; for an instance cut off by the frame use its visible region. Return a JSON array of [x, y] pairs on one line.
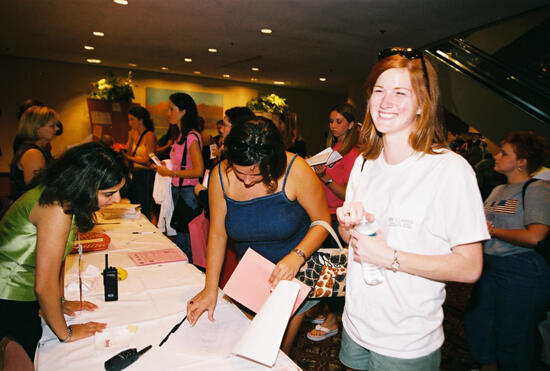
[[529, 92]]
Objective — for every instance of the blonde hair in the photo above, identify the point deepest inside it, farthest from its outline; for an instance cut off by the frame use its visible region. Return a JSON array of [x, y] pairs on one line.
[[428, 133], [34, 118]]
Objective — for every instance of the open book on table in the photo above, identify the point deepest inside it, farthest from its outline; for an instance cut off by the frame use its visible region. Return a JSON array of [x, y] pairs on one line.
[[326, 157]]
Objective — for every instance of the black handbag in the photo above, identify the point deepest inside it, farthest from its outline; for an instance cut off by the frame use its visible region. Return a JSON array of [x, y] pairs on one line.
[[183, 213]]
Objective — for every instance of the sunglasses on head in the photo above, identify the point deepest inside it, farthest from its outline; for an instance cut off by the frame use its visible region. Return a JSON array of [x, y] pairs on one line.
[[408, 53]]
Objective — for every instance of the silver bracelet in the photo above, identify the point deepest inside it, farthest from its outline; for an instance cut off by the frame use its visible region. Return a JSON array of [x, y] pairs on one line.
[[69, 336]]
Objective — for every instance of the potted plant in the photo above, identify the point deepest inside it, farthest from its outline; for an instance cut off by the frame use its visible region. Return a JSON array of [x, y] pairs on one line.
[[270, 106], [109, 100]]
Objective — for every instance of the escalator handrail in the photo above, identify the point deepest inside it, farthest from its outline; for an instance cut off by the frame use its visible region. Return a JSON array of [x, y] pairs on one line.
[[518, 101]]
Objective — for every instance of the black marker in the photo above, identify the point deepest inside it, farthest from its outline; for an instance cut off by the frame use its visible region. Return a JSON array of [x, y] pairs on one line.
[[174, 329]]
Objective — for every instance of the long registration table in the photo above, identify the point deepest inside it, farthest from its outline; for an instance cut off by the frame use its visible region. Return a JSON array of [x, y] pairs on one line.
[[151, 301]]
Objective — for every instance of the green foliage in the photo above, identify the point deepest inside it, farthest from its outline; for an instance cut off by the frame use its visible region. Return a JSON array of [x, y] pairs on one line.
[[268, 103], [113, 88]]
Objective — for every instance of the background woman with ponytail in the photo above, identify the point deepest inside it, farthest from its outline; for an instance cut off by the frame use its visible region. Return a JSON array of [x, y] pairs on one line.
[[186, 171]]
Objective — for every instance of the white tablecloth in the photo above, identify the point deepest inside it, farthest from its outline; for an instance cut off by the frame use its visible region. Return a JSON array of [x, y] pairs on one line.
[[152, 299]]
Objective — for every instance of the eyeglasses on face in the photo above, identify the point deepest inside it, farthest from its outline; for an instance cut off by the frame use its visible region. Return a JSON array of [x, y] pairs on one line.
[[408, 53]]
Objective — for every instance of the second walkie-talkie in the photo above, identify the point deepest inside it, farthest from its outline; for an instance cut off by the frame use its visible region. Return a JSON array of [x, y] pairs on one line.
[[110, 281]]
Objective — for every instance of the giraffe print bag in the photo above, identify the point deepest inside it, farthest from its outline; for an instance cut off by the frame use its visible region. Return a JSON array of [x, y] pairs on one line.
[[325, 270]]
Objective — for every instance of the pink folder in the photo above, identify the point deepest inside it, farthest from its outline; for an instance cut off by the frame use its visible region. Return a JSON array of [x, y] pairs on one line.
[[249, 283], [157, 256]]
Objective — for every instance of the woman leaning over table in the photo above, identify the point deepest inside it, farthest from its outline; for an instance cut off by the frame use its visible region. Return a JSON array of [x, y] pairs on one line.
[[37, 233], [264, 198], [426, 203], [182, 108], [141, 142], [513, 294]]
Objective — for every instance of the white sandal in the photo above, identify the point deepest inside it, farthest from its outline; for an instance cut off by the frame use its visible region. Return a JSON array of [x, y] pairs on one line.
[[326, 333]]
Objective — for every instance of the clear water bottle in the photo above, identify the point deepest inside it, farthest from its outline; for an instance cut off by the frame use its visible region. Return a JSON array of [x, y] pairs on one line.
[[373, 274]]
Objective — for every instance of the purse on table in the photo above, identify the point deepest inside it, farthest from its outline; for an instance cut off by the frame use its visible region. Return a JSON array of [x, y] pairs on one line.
[[325, 270]]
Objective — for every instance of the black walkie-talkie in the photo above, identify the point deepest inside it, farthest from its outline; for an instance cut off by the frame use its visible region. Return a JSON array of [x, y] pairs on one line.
[[124, 359], [110, 281]]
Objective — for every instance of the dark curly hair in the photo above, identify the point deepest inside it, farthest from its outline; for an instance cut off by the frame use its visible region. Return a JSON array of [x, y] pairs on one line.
[[528, 145], [257, 142], [74, 179]]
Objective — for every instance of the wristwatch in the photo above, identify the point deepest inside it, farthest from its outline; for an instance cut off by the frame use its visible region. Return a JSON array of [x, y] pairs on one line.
[[395, 263], [301, 253], [328, 182]]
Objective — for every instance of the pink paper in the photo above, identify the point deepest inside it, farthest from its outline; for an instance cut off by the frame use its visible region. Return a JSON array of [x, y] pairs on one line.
[[157, 256], [249, 283]]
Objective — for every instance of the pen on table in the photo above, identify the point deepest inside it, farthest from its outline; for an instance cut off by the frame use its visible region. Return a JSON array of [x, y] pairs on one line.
[[174, 329], [144, 232]]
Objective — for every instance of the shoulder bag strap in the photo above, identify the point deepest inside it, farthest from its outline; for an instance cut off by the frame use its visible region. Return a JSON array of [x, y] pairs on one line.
[[183, 164], [139, 141], [328, 227], [524, 189]]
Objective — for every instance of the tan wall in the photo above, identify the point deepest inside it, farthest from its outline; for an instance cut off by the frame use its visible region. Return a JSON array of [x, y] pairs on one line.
[[64, 87]]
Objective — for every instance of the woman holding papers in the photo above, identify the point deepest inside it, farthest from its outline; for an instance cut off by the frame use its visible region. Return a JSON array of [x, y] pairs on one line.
[[342, 137], [426, 203], [185, 158], [37, 233], [264, 198]]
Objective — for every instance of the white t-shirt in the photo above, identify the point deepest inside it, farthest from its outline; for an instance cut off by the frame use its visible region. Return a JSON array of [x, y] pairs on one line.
[[426, 205]]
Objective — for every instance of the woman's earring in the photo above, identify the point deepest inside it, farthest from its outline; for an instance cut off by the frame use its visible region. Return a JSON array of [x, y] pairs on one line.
[[520, 168]]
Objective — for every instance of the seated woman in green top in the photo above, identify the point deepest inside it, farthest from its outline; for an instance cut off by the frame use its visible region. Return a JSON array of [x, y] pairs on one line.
[[36, 234]]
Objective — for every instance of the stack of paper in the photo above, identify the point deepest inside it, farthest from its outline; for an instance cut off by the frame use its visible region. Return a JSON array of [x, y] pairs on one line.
[[121, 211], [326, 157], [249, 283], [263, 337]]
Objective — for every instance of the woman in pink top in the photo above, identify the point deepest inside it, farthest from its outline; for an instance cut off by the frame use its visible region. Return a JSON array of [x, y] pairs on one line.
[[186, 172], [342, 137]]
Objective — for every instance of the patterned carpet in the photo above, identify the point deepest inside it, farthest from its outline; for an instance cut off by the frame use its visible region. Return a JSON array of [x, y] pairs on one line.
[[323, 355]]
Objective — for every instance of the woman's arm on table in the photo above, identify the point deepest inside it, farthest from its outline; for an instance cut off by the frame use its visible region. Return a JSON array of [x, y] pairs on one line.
[[53, 227], [215, 252], [303, 183]]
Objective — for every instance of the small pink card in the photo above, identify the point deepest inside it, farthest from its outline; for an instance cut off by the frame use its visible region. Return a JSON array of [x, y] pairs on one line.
[[157, 256], [249, 283]]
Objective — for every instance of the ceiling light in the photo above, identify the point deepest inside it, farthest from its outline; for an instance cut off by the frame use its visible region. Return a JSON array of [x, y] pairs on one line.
[[132, 64], [255, 69], [188, 60], [90, 60], [121, 2], [322, 79], [98, 33], [266, 30], [279, 82], [164, 68], [88, 47], [226, 76], [212, 50], [197, 72]]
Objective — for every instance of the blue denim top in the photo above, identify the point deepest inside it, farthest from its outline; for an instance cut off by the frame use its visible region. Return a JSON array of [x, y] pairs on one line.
[[272, 224]]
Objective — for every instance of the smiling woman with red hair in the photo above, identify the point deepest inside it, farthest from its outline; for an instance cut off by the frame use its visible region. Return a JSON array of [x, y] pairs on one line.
[[426, 203]]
